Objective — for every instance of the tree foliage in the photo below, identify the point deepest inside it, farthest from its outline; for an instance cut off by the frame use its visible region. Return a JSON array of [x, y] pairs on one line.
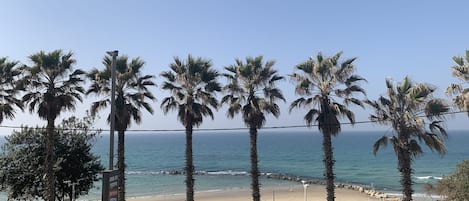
[[455, 186], [9, 75], [22, 161], [460, 71]]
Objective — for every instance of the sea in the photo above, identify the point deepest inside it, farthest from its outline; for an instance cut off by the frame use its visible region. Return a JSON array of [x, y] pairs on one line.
[[222, 161]]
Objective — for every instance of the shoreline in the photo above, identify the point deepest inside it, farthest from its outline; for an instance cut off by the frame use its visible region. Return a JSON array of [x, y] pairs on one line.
[[315, 192]]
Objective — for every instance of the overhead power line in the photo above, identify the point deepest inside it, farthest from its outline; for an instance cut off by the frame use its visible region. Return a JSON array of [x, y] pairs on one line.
[[218, 129]]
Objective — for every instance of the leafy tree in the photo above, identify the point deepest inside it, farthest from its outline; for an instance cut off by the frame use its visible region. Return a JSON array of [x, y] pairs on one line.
[[460, 71], [53, 87], [9, 74], [251, 91], [407, 108], [322, 83], [456, 185], [192, 84], [22, 161], [132, 94]]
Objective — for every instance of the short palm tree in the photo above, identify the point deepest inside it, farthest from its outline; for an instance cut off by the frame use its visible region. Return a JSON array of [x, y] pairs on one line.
[[192, 84], [322, 83], [406, 108], [9, 75], [460, 71], [132, 94], [53, 87], [252, 91]]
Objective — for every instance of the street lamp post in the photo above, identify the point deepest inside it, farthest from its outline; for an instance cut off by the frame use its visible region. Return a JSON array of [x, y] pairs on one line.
[[113, 54], [305, 188]]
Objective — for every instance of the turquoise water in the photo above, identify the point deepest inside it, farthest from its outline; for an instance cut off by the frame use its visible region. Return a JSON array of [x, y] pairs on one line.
[[223, 160]]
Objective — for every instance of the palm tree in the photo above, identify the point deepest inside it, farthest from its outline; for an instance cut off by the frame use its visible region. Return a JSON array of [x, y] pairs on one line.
[[322, 83], [460, 71], [131, 95], [53, 87], [192, 84], [9, 75], [251, 91], [406, 108]]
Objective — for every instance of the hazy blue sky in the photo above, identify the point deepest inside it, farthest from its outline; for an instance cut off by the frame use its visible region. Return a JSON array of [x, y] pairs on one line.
[[390, 38]]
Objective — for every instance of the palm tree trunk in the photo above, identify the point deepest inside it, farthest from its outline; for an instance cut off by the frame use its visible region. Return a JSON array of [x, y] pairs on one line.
[[49, 161], [121, 164], [189, 164], [256, 195], [329, 165], [406, 174]]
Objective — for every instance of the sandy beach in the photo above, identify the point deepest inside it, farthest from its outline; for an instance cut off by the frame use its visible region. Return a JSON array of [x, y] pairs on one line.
[[314, 193]]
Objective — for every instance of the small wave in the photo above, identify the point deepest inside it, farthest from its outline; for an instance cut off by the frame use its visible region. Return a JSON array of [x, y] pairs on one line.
[[172, 172], [429, 178], [180, 172], [229, 172]]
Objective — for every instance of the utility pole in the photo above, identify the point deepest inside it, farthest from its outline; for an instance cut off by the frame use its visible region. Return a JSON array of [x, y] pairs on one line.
[[113, 54]]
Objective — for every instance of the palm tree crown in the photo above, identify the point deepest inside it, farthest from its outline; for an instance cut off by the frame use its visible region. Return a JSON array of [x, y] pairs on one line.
[[53, 85], [322, 83], [9, 75], [405, 109], [192, 84], [460, 71], [132, 90], [246, 83]]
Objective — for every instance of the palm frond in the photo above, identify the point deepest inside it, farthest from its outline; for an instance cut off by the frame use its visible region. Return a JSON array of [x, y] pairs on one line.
[[344, 111], [310, 116], [437, 128], [168, 104], [414, 148], [98, 105], [458, 60], [297, 103], [395, 144], [435, 143], [436, 108], [354, 101], [382, 142], [354, 78], [454, 89]]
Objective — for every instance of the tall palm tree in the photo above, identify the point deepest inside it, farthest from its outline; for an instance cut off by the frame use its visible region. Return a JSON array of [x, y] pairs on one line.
[[192, 84], [460, 71], [132, 94], [322, 83], [9, 75], [406, 108], [251, 91], [53, 87]]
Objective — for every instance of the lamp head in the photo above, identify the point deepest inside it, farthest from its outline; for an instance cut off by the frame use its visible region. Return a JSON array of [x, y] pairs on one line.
[[112, 53]]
